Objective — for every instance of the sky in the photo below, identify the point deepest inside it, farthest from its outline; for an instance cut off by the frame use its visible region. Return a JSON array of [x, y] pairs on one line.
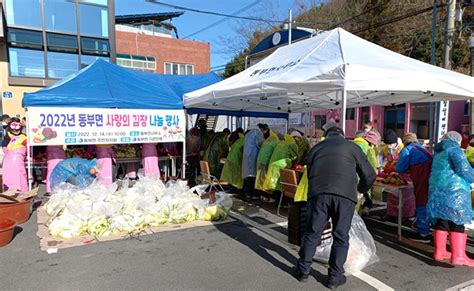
[[191, 22]]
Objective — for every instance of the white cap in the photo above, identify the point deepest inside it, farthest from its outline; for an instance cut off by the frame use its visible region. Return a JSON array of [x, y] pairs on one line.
[[295, 134]]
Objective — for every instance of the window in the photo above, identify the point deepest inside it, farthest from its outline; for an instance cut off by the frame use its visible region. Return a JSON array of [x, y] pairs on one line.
[[61, 65], [92, 46], [96, 2], [137, 62], [93, 20], [25, 38], [179, 69], [350, 114], [189, 69], [61, 43], [26, 62], [24, 13], [60, 15], [87, 60], [168, 67]]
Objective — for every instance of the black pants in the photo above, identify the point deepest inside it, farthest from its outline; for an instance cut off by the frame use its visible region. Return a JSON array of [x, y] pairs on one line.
[[447, 225], [320, 209], [249, 187]]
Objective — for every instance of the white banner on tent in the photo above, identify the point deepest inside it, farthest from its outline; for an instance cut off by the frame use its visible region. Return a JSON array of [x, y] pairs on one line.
[[68, 126]]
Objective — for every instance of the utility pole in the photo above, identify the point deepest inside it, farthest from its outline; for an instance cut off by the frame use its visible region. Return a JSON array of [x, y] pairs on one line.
[[443, 107], [471, 49]]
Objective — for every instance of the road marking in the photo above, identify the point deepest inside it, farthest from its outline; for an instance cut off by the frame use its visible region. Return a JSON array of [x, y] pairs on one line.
[[372, 281], [282, 224], [283, 239], [466, 286]]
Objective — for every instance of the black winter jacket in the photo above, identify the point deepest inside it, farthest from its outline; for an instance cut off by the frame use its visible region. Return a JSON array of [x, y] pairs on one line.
[[333, 167]]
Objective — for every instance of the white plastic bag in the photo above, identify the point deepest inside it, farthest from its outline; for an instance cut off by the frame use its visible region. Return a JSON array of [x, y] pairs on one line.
[[362, 250]]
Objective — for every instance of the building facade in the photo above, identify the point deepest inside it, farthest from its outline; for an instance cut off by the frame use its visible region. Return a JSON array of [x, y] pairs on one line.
[[43, 41], [149, 42]]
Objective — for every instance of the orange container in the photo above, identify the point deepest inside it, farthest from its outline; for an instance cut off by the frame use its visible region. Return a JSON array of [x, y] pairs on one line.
[[7, 227], [19, 212]]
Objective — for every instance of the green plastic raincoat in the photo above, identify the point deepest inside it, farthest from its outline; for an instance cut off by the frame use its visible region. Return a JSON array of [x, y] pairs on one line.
[[263, 159], [285, 153], [218, 149], [232, 171], [303, 149]]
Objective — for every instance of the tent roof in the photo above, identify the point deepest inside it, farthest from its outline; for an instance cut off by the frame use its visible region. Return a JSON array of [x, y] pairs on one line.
[[105, 85], [312, 74]]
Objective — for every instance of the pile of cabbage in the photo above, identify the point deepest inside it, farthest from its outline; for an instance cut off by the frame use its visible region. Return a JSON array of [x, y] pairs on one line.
[[99, 211]]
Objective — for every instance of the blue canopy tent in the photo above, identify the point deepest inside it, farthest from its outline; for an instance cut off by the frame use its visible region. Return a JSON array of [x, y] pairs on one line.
[[105, 85]]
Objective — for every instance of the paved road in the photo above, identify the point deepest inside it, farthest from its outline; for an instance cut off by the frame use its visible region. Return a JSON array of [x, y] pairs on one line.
[[230, 256]]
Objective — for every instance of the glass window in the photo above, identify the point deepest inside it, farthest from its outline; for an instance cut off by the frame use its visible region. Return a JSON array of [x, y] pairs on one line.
[[24, 13], [94, 20], [189, 69], [61, 43], [60, 15], [175, 69], [87, 60], [182, 69], [26, 63], [168, 68], [350, 114], [97, 2], [138, 64], [61, 65], [25, 38], [94, 46]]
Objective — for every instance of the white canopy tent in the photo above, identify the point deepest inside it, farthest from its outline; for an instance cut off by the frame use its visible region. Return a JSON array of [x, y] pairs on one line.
[[332, 69]]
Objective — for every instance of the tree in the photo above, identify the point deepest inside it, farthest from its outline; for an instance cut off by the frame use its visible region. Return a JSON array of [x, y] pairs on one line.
[[395, 25]]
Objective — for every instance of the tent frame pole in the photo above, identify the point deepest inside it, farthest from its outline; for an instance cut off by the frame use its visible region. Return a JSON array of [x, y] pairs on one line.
[[184, 162], [343, 110], [28, 153]]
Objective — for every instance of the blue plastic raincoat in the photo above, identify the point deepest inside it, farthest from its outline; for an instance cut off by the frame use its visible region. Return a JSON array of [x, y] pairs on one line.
[[450, 192], [253, 141], [74, 171]]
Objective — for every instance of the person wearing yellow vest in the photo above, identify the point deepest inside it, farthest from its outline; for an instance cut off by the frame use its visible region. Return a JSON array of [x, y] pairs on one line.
[[367, 141], [470, 150], [14, 147]]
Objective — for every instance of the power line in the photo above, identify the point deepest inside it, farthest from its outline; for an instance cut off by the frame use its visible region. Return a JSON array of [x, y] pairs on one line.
[[214, 13], [227, 15], [376, 25], [397, 18], [223, 20]]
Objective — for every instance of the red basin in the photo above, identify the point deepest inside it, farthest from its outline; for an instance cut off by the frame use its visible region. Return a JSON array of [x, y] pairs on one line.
[[7, 226], [19, 212]]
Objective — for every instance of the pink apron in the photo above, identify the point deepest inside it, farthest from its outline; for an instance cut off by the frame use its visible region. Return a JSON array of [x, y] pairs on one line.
[[14, 170], [150, 160], [55, 155], [105, 158]]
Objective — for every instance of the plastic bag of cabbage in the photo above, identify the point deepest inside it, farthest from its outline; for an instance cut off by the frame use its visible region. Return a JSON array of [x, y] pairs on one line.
[[99, 211]]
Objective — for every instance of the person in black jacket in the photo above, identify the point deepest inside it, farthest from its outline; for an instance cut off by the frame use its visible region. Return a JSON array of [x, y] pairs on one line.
[[337, 170]]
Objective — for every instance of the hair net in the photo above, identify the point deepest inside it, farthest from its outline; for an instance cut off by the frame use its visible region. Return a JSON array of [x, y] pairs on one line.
[[295, 134], [409, 137], [330, 124], [454, 136], [372, 137], [360, 133]]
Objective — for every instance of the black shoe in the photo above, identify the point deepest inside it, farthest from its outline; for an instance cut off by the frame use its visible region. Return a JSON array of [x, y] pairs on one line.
[[333, 284], [426, 239], [300, 276]]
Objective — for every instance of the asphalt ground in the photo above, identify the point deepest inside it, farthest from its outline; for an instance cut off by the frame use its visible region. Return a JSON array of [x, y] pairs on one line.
[[249, 252]]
